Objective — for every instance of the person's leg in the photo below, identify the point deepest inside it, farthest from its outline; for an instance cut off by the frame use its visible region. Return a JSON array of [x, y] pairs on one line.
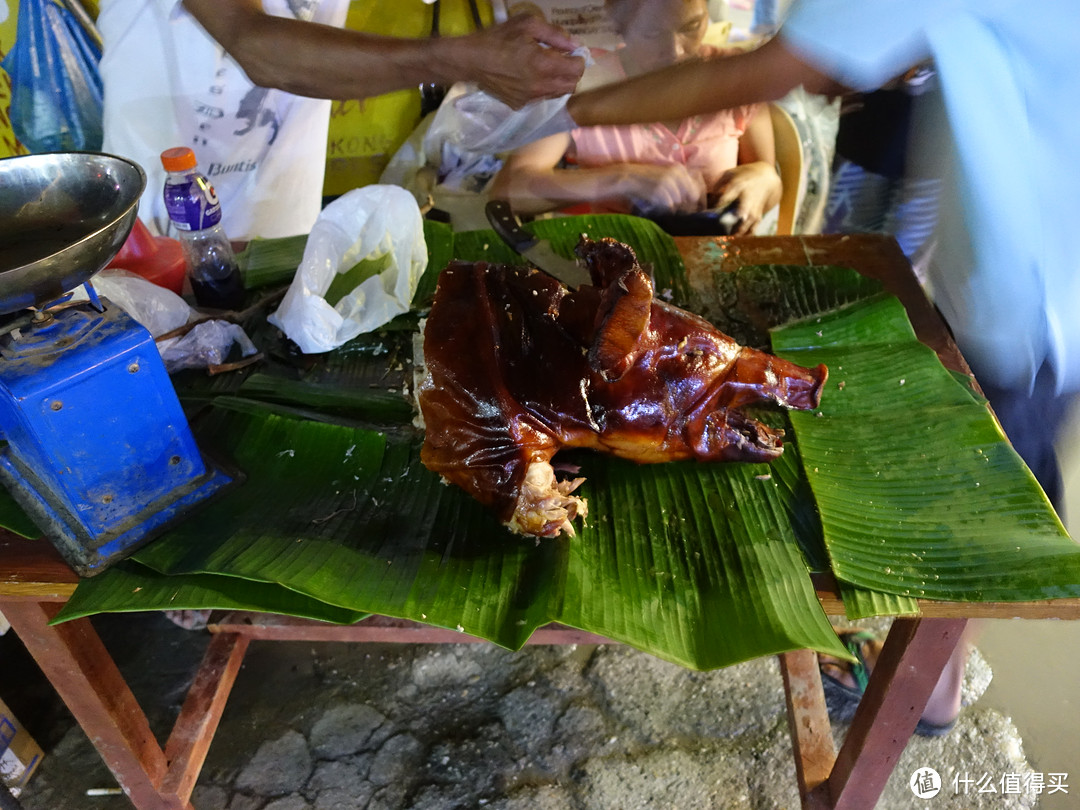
[[849, 680], [944, 703]]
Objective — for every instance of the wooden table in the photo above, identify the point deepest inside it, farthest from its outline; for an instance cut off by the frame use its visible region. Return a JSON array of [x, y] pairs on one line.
[[35, 582]]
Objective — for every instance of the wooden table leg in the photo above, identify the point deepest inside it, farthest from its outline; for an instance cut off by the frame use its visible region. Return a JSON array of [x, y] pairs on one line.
[[190, 739], [808, 720], [914, 655], [74, 659]]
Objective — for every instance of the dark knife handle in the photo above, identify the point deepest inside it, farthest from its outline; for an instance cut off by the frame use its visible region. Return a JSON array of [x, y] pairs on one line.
[[509, 228]]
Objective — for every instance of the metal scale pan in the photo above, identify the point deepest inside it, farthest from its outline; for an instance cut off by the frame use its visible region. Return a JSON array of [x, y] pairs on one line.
[[95, 446], [62, 218]]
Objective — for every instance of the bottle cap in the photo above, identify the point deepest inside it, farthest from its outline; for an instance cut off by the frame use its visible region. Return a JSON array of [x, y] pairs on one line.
[[178, 159]]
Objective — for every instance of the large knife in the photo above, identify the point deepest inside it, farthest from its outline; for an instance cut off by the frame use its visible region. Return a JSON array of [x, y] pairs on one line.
[[538, 251]]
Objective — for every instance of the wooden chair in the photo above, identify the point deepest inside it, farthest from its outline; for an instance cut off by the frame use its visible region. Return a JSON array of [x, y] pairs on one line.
[[789, 162]]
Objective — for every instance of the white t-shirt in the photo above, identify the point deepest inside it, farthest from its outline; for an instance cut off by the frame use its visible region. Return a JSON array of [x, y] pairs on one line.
[[168, 83], [1006, 274]]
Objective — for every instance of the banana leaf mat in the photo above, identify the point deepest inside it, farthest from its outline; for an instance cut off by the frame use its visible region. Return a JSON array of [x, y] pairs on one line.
[[901, 484]]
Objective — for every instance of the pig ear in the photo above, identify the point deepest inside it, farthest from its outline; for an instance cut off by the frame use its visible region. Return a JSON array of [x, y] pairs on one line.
[[621, 321]]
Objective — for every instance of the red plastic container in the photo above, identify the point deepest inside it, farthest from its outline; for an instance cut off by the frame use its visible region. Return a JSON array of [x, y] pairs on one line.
[[158, 259]]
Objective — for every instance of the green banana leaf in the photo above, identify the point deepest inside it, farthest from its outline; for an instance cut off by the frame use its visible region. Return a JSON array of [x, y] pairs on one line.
[[376, 405], [124, 591], [655, 249], [861, 603], [351, 518], [470, 573], [705, 565], [919, 492], [267, 262]]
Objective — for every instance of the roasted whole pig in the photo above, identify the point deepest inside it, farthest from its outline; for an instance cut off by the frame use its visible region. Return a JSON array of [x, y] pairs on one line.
[[518, 367]]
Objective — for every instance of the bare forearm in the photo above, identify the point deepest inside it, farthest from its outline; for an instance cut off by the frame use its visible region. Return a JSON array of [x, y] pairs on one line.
[[309, 59], [700, 86], [539, 191], [631, 186], [335, 63], [758, 141]]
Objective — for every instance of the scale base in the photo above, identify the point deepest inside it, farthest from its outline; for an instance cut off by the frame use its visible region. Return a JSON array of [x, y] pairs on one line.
[[90, 552]]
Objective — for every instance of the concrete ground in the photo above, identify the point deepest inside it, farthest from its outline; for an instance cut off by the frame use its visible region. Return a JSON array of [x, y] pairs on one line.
[[331, 726]]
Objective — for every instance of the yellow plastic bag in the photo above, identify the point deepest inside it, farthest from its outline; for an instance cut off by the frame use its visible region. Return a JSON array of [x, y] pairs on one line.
[[365, 134]]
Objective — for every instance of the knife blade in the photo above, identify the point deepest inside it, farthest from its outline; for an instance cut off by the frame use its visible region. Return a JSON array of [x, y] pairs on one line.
[[538, 251]]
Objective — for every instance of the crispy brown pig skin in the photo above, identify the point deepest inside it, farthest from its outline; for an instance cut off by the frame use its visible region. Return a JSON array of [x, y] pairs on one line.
[[520, 367], [497, 369]]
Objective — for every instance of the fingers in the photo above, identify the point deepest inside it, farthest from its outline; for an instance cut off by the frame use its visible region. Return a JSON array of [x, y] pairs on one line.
[[732, 186], [669, 188], [550, 61], [746, 225], [526, 59], [754, 188], [540, 75], [542, 31], [550, 72]]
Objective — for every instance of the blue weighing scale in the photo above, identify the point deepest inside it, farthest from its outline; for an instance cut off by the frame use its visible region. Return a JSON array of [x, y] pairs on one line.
[[94, 444]]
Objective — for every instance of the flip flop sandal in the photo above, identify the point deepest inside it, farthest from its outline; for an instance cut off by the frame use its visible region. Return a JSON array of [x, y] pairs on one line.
[[927, 729], [842, 700]]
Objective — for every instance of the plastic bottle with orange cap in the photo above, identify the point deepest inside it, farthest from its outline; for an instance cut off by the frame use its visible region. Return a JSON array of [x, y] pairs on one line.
[[195, 210]]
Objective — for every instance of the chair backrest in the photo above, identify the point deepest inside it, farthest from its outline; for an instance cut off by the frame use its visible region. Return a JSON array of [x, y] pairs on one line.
[[789, 160]]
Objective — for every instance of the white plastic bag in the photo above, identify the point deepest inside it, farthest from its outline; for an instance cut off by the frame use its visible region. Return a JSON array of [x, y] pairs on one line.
[[477, 122], [168, 83], [207, 344], [365, 224], [817, 119], [485, 124], [157, 309]]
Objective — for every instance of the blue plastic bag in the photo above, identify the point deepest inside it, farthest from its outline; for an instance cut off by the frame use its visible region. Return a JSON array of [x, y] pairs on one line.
[[56, 92]]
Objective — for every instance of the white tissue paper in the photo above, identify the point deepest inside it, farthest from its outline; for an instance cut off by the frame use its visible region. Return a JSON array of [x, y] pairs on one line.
[[364, 224]]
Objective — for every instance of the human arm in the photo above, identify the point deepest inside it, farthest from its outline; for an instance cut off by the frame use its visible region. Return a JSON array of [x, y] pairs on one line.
[[509, 61], [704, 85], [754, 182], [533, 182]]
